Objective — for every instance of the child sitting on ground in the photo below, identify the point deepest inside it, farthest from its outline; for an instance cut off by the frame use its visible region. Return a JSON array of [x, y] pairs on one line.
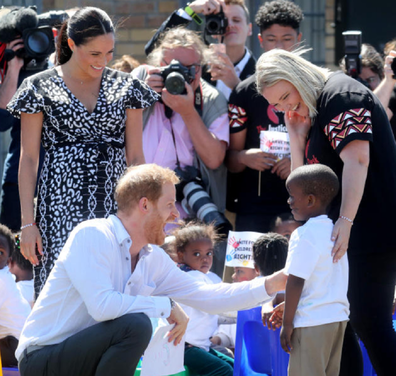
[[23, 272], [194, 244], [316, 307], [14, 309]]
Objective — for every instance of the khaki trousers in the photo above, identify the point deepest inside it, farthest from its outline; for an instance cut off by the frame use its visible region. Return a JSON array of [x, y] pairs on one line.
[[317, 350]]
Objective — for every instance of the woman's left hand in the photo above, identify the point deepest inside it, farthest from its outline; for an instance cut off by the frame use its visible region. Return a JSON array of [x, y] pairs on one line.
[[340, 236]]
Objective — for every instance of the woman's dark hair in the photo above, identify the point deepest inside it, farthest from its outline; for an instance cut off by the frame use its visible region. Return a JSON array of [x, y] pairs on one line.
[[85, 24], [270, 253]]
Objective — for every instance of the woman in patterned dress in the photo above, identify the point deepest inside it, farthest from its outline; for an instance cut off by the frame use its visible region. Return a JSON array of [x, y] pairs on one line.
[[89, 120], [334, 120]]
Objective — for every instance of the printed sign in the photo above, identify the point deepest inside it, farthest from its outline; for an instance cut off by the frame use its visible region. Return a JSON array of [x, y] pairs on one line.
[[239, 248], [276, 143]]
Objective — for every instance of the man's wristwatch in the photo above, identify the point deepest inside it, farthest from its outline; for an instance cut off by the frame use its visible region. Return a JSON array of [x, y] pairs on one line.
[[172, 303]]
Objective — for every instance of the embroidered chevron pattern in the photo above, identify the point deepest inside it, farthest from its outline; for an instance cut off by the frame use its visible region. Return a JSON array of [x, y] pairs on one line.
[[357, 120], [237, 116]]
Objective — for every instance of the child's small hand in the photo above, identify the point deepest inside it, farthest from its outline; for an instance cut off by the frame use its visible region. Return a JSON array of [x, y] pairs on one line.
[[276, 318], [285, 338]]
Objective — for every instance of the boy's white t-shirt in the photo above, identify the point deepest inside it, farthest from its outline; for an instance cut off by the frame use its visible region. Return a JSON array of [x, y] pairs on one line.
[[201, 325], [324, 296], [14, 309]]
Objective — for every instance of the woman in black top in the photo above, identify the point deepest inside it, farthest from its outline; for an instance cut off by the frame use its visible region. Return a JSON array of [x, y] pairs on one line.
[[334, 120]]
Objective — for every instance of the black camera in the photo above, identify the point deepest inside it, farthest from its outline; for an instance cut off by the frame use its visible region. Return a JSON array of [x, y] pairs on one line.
[[352, 47], [35, 31], [216, 24], [191, 192], [393, 66], [175, 76]]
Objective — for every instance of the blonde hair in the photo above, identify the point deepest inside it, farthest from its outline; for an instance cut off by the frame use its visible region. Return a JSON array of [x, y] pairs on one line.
[[178, 37], [140, 181], [126, 63], [277, 65]]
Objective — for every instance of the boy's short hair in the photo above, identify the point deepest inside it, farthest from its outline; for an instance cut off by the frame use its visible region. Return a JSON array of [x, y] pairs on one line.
[[280, 12], [6, 233], [242, 4], [270, 253], [17, 257], [140, 181], [318, 180]]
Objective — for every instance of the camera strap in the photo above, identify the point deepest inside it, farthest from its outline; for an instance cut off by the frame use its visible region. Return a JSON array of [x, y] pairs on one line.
[[198, 104]]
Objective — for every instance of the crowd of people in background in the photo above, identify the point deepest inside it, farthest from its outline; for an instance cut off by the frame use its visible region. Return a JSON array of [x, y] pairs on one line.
[[123, 179]]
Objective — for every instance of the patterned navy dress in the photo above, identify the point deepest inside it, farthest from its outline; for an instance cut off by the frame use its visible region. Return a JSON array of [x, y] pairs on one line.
[[84, 152]]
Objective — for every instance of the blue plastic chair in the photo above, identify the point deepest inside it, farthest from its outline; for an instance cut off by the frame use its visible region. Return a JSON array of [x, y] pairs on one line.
[[279, 358], [252, 345], [10, 371]]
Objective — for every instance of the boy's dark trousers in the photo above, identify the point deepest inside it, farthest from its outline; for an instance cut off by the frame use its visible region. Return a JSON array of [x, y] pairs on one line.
[[107, 348]]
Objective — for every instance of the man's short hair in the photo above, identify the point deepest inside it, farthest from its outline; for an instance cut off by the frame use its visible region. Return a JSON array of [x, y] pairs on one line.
[[242, 4], [174, 38], [280, 12], [316, 179], [141, 181]]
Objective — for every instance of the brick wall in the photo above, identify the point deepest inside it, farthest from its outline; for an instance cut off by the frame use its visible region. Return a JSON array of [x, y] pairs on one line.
[[330, 35], [136, 20]]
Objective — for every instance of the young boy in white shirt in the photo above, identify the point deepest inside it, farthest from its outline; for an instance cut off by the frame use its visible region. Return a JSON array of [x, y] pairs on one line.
[[14, 309], [316, 306]]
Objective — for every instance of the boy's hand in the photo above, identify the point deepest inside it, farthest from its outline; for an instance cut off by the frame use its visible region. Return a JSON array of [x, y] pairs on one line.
[[285, 338], [276, 318]]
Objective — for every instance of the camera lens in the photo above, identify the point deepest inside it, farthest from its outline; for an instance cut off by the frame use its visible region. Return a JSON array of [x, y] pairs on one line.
[[175, 83], [38, 42], [213, 26]]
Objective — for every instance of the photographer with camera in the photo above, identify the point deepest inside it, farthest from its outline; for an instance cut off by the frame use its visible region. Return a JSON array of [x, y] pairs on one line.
[[228, 21], [386, 91], [17, 65], [187, 130]]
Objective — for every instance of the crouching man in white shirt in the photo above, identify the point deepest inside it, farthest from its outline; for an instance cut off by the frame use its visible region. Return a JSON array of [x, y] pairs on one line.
[[92, 317]]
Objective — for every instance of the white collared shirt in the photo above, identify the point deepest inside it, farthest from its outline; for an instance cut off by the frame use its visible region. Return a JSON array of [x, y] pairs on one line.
[[92, 282]]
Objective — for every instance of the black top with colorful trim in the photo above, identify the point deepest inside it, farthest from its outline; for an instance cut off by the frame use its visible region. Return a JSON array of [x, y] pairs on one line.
[[348, 111]]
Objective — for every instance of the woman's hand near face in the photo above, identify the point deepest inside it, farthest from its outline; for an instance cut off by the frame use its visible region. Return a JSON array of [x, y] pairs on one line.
[[297, 124], [298, 128]]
